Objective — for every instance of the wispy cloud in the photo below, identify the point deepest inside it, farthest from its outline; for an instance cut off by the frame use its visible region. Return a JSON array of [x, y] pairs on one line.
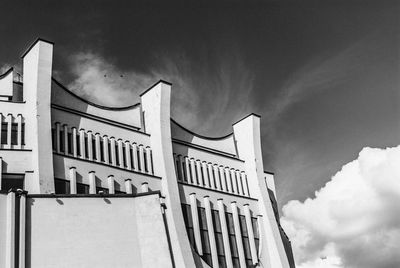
[[353, 220]]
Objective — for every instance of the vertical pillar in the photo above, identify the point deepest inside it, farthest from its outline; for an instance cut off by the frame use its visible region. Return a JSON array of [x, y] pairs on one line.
[[72, 180], [196, 224], [228, 180], [97, 145], [111, 184], [149, 160], [234, 181], [82, 147], [211, 175], [187, 165], [9, 124], [238, 234], [141, 158], [193, 169], [128, 155], [113, 153], [90, 145], [250, 233], [145, 187], [10, 231], [245, 185], [92, 182], [128, 186], [121, 153], [105, 150], [199, 173], [225, 235], [22, 229], [217, 177], [211, 234], [179, 178], [66, 145], [205, 175], [240, 182], [19, 131], [181, 168], [74, 144], [58, 148], [135, 157], [223, 179]]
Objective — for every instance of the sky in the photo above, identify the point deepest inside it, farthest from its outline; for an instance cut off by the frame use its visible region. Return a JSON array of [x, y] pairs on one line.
[[323, 75]]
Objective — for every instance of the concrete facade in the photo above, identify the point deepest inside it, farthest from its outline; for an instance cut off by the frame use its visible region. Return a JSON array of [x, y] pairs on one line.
[[127, 186]]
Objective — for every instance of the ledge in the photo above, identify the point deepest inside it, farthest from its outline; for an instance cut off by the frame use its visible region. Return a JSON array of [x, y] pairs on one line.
[[93, 195], [20, 150]]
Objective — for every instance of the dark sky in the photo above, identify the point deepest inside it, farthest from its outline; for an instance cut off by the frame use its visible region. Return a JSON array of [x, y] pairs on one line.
[[324, 75]]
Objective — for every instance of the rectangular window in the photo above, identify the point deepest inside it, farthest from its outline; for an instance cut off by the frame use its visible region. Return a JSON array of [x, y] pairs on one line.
[[78, 146], [53, 138], [70, 145], [138, 162], [23, 133], [62, 141], [12, 181], [62, 186], [116, 155], [86, 147], [124, 156], [94, 152], [145, 162], [204, 236], [101, 151], [4, 133], [82, 188], [187, 216]]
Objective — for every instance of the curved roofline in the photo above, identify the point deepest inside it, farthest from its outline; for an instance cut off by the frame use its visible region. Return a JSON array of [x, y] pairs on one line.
[[92, 103], [7, 72], [201, 136]]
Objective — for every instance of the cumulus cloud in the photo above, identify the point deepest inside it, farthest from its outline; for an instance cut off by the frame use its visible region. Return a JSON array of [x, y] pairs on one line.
[[353, 221]]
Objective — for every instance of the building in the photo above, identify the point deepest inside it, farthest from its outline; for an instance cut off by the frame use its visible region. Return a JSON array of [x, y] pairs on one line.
[[84, 185]]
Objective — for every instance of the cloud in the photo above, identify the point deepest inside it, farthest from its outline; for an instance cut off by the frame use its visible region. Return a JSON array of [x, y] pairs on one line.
[[353, 221]]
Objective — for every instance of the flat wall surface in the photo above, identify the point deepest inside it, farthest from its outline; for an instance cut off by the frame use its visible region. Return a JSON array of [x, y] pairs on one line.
[[3, 219], [96, 232]]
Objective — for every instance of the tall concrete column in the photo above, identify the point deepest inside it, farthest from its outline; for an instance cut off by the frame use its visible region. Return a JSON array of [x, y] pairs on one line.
[[141, 158], [217, 177], [157, 118], [205, 174], [19, 131], [238, 234], [37, 71], [187, 165], [248, 142], [90, 145], [10, 231], [250, 232], [211, 175], [105, 150], [245, 184], [239, 181], [72, 180], [58, 147], [74, 142], [196, 223], [225, 234], [111, 184], [177, 167], [223, 178], [121, 153], [149, 160], [22, 230], [113, 153], [234, 181], [97, 140], [92, 182], [9, 123], [128, 186], [228, 180], [66, 145], [82, 143], [211, 234], [135, 156], [199, 173], [128, 155], [193, 171]]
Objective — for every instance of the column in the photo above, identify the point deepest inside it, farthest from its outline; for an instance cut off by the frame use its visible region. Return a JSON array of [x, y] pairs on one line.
[[245, 186], [10, 231], [234, 181], [211, 175], [9, 124], [250, 233], [228, 179], [121, 154], [181, 168], [92, 182], [178, 177], [135, 157], [145, 187], [97, 142], [141, 158], [66, 145], [58, 147], [74, 145], [205, 174], [239, 181], [199, 173], [22, 230], [128, 155], [82, 147], [72, 180], [196, 224], [149, 160], [128, 186], [238, 234], [222, 177], [217, 177], [90, 145], [225, 235], [211, 235], [105, 150], [187, 165], [111, 184], [19, 131], [193, 169], [113, 153]]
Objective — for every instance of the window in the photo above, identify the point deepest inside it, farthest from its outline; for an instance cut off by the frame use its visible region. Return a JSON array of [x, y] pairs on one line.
[[70, 145], [187, 216], [145, 162], [62, 186], [204, 236], [82, 188], [94, 152], [104, 190], [219, 239], [12, 181], [62, 141], [232, 240], [245, 239], [4, 133]]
